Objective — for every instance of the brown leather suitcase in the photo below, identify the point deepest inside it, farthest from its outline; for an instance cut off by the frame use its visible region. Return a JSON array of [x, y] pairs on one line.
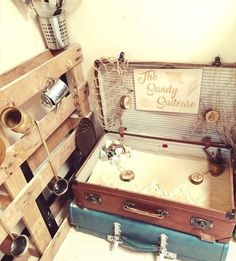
[[171, 167]]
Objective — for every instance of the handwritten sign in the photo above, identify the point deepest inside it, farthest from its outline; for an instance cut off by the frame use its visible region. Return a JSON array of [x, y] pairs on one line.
[[168, 90]]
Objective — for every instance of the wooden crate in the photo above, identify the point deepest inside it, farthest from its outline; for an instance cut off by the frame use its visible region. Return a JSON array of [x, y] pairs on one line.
[[18, 197]]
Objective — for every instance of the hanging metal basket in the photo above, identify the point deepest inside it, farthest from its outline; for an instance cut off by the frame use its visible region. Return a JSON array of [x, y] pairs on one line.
[[55, 31]]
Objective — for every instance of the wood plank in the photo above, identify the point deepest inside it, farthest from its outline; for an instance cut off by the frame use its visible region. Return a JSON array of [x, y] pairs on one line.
[[79, 88], [40, 154], [32, 216], [83, 101], [5, 200], [23, 148], [33, 258], [25, 257], [23, 201], [15, 182], [25, 67], [31, 255], [31, 82], [55, 244], [4, 138], [57, 205], [35, 224]]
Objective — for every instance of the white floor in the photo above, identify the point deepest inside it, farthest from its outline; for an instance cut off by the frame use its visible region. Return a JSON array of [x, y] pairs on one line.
[[83, 247]]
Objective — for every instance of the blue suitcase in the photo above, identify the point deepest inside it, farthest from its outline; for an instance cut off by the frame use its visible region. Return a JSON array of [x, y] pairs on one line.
[[145, 237]]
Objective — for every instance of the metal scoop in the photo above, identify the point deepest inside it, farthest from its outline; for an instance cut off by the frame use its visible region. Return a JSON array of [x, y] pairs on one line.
[[15, 245]]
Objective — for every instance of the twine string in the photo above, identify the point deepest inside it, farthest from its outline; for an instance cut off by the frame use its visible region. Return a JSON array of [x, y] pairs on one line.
[[47, 150], [114, 73]]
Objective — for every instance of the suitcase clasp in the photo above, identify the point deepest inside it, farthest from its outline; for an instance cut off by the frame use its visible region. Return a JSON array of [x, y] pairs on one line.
[[94, 198], [201, 223]]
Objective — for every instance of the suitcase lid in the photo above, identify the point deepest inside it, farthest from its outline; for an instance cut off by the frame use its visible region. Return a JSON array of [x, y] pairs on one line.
[[204, 111]]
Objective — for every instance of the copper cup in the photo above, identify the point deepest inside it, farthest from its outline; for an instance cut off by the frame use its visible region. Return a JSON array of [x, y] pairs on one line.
[[16, 120], [15, 246], [216, 169]]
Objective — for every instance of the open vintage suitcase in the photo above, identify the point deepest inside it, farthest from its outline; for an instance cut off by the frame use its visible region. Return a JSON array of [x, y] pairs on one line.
[[177, 158], [145, 237]]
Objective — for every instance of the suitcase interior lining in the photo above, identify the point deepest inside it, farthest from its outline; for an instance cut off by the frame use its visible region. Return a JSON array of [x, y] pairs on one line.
[[163, 172], [217, 91]]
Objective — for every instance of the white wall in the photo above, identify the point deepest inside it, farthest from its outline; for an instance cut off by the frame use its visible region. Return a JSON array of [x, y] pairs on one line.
[[20, 37], [163, 30]]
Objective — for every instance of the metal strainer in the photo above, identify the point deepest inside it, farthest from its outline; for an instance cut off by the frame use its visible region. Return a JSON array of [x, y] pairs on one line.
[[85, 137], [55, 31]]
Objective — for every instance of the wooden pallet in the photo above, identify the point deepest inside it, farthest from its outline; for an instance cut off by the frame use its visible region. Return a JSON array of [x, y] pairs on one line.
[[18, 202]]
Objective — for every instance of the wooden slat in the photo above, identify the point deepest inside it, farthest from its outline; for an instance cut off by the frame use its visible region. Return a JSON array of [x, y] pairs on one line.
[[15, 182], [32, 216], [25, 68], [83, 93], [25, 257], [35, 224], [28, 256], [13, 213], [5, 200], [33, 258], [3, 137], [76, 81], [57, 205], [54, 245], [29, 84], [31, 255], [22, 149], [40, 154]]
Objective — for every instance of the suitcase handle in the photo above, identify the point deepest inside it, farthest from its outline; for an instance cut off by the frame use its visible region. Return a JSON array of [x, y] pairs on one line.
[[139, 245], [145, 247], [130, 207]]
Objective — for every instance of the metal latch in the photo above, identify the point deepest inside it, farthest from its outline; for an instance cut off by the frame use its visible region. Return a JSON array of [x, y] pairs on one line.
[[116, 238], [201, 223], [93, 198], [230, 215], [162, 250]]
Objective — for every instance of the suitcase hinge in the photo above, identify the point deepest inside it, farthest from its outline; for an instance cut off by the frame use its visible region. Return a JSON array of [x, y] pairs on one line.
[[217, 61], [230, 215], [162, 250], [116, 238]]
